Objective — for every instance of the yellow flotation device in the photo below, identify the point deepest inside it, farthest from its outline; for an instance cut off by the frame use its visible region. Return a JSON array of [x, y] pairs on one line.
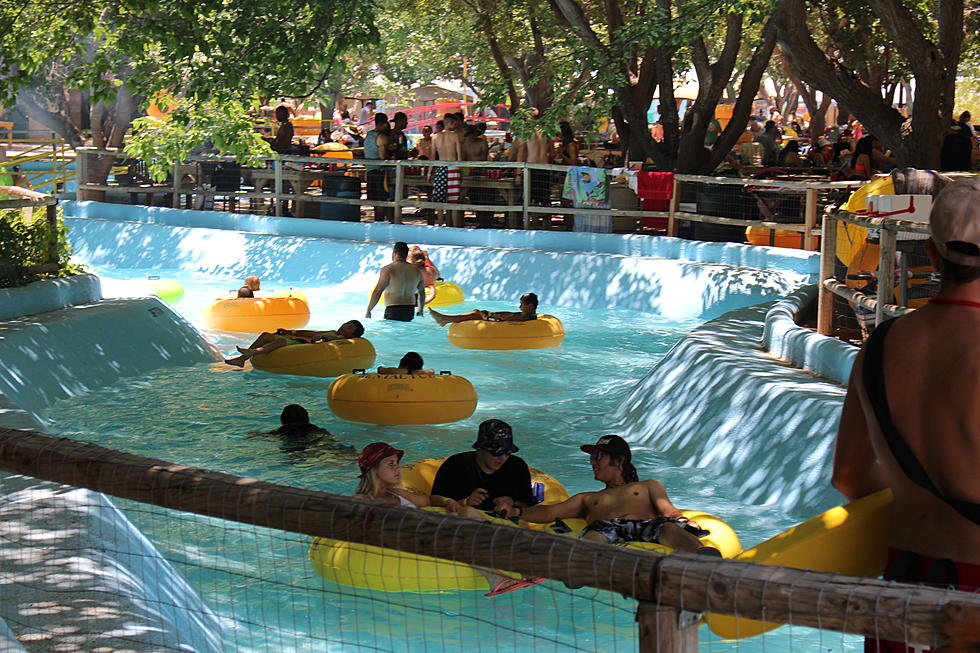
[[169, 290], [443, 293], [849, 539], [402, 398], [389, 570], [323, 359], [284, 309], [546, 331]]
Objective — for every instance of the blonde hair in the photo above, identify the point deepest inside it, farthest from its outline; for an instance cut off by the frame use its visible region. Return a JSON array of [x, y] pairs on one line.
[[368, 486]]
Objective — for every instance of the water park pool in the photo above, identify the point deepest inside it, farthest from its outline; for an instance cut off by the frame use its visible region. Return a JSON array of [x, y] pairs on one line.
[[260, 581]]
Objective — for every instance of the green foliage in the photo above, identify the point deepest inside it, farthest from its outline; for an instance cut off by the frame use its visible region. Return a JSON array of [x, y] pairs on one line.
[[224, 125], [26, 242]]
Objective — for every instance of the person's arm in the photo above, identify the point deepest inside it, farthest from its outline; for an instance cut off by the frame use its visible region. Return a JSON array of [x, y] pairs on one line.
[[382, 140], [509, 316], [420, 292], [383, 280], [284, 137], [451, 505], [661, 502], [390, 370], [455, 149], [542, 514], [857, 472]]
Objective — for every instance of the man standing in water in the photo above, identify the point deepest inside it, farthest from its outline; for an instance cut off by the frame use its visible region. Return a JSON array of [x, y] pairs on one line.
[[403, 287], [911, 418], [626, 510]]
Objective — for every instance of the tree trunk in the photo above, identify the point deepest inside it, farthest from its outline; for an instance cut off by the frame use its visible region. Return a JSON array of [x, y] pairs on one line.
[[109, 127], [59, 121]]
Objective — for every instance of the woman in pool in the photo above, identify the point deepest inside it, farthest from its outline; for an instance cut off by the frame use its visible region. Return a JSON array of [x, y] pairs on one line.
[[411, 363], [380, 474]]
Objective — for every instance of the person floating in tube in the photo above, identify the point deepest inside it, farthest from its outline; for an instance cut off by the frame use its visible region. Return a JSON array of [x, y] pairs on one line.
[[269, 342], [411, 363], [528, 311]]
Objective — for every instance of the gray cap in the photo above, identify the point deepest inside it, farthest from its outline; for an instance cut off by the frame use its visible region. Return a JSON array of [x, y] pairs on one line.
[[955, 222]]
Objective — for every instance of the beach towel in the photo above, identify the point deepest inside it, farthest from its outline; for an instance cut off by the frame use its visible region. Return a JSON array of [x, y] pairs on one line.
[[587, 189], [655, 185]]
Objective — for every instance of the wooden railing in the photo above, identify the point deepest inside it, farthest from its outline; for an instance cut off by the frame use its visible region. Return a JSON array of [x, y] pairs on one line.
[[668, 587]]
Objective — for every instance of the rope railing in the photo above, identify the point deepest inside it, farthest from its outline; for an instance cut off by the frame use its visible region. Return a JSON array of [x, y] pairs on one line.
[[665, 585]]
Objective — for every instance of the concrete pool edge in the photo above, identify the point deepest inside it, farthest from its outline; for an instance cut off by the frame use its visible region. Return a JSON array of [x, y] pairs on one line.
[[785, 339], [718, 401], [736, 254], [49, 295]]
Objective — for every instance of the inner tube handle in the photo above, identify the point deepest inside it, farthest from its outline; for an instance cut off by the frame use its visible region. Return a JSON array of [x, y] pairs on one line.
[[445, 373], [358, 371]]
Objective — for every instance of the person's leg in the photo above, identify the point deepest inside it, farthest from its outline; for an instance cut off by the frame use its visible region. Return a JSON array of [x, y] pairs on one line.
[[677, 538], [444, 319], [264, 346]]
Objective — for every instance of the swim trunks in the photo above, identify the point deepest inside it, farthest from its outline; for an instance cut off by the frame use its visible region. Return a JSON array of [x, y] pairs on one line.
[[377, 185], [620, 531], [908, 567], [401, 313], [445, 184]]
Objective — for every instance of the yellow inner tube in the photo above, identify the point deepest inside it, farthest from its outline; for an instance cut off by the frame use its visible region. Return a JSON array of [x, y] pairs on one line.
[[389, 570], [283, 310], [323, 359], [401, 398], [169, 290], [546, 331], [443, 293]]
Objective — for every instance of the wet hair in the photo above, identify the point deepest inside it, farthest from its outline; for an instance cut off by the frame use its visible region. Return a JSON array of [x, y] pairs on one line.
[[412, 362], [567, 134], [358, 328], [530, 298], [293, 414], [401, 248], [864, 146], [629, 471]]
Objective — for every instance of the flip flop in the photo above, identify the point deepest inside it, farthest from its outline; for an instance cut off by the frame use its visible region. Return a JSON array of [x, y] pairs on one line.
[[512, 584]]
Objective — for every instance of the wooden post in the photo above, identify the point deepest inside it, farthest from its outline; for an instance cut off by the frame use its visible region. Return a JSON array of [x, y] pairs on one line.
[[175, 201], [526, 196], [81, 172], [886, 272], [277, 169], [810, 219], [828, 259], [675, 202], [399, 191], [663, 629]]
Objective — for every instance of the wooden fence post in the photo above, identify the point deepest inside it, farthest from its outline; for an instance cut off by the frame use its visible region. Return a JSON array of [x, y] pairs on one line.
[[277, 168], [399, 191], [526, 195], [675, 201], [810, 219], [175, 200], [664, 629], [886, 272], [828, 258]]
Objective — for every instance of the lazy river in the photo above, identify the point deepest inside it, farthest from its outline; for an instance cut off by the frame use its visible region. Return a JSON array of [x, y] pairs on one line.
[[214, 416]]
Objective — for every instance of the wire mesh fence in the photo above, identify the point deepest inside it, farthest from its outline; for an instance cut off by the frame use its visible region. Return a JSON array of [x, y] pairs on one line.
[[201, 560]]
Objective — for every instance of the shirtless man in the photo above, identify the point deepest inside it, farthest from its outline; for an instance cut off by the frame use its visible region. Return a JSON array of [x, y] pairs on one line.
[[528, 312], [627, 510], [446, 146], [269, 342], [403, 286], [537, 149], [377, 145], [911, 418]]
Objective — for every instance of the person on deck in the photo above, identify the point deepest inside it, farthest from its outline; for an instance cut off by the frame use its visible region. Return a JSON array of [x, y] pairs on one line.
[[251, 286], [528, 311], [911, 416], [284, 136], [269, 342], [377, 145], [402, 285]]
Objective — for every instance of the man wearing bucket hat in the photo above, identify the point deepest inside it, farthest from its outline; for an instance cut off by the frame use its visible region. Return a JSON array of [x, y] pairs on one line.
[[627, 509], [911, 417], [490, 478]]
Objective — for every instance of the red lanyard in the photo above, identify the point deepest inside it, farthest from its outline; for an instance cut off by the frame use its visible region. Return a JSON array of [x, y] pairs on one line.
[[957, 302]]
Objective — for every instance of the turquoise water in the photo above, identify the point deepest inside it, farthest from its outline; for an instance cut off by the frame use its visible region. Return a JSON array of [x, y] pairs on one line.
[[259, 581]]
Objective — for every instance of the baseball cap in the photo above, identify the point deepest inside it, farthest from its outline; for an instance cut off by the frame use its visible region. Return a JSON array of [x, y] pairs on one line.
[[373, 453], [497, 436], [955, 222], [612, 444]]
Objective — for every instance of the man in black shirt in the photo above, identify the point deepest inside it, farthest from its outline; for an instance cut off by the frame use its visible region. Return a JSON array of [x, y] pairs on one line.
[[490, 478]]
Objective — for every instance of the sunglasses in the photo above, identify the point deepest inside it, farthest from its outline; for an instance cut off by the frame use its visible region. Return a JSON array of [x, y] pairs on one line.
[[499, 453], [596, 456]]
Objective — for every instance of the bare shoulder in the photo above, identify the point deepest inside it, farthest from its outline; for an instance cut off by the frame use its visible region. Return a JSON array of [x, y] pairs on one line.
[[654, 486]]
